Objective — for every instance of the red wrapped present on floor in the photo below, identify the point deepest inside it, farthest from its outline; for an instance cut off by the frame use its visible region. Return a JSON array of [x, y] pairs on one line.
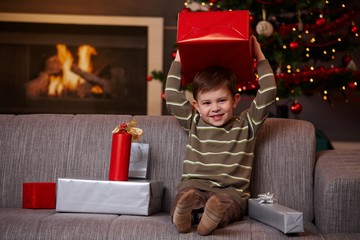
[[39, 195], [215, 39]]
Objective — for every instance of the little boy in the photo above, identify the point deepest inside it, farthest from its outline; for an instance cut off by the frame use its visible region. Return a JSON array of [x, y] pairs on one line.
[[220, 149]]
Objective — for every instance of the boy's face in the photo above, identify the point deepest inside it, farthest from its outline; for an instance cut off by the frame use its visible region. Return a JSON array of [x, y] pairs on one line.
[[216, 106]]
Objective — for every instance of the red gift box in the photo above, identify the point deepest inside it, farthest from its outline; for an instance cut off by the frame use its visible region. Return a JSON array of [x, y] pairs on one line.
[[215, 39], [39, 195], [120, 156]]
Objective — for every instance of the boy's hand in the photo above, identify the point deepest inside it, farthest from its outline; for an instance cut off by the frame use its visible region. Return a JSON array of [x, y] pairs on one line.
[[256, 48]]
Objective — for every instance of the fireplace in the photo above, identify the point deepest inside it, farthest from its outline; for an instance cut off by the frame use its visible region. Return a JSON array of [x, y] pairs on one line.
[[79, 64]]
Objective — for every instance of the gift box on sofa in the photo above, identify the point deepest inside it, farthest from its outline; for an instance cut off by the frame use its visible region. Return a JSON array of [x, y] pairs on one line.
[[215, 39], [139, 158], [113, 197], [277, 216], [39, 195]]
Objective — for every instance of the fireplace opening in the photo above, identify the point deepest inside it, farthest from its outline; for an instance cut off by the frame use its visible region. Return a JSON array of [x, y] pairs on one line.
[[69, 68]]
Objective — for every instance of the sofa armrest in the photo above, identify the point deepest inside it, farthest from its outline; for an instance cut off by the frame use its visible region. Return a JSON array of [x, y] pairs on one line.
[[337, 191]]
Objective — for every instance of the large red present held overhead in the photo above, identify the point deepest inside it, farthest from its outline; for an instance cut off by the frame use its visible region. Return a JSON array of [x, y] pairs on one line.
[[215, 39]]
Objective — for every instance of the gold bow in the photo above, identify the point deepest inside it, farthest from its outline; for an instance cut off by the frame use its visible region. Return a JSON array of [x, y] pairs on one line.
[[130, 128]]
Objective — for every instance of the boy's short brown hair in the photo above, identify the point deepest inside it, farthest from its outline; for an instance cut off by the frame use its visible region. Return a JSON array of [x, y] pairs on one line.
[[212, 78]]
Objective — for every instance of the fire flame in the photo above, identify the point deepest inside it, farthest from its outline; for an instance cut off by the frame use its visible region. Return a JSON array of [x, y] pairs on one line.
[[85, 52], [56, 86], [68, 79]]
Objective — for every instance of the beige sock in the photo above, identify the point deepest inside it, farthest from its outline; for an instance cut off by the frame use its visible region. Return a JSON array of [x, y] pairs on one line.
[[212, 216], [182, 213]]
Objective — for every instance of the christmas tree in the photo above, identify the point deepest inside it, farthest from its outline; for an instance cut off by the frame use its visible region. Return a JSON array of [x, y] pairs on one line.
[[310, 44]]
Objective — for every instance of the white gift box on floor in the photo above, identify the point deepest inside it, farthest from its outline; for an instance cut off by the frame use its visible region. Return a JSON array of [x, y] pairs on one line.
[[277, 216], [113, 197]]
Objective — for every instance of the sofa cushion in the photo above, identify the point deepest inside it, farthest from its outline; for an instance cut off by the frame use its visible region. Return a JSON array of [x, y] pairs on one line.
[[342, 236], [337, 191], [17, 223], [159, 226], [49, 225], [77, 226]]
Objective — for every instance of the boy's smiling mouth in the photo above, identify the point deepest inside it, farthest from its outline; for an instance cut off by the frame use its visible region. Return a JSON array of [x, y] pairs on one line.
[[217, 116]]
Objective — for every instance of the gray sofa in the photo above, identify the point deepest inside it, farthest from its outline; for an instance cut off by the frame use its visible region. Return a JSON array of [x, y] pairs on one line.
[[44, 147]]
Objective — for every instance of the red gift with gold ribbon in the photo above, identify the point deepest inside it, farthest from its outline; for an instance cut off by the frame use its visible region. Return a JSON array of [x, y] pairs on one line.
[[208, 39], [120, 150]]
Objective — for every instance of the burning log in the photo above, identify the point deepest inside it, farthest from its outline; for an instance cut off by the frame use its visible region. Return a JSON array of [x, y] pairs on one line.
[[93, 79], [53, 65], [39, 85]]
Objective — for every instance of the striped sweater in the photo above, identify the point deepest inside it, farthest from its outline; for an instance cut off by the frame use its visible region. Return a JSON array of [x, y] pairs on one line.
[[220, 159]]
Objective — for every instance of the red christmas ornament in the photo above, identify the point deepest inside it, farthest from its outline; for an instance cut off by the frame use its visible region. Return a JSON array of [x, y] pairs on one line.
[[294, 45], [148, 78], [251, 18], [173, 54], [352, 85], [320, 22], [296, 108], [354, 29], [252, 86]]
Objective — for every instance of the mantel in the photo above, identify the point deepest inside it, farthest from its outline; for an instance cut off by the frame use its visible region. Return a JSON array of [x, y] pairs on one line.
[[155, 41]]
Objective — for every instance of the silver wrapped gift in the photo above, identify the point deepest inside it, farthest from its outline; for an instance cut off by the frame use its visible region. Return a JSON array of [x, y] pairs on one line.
[[139, 157], [114, 197], [275, 215]]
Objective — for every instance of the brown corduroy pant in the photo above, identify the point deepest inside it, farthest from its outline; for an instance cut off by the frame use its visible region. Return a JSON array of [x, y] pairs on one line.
[[233, 211]]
